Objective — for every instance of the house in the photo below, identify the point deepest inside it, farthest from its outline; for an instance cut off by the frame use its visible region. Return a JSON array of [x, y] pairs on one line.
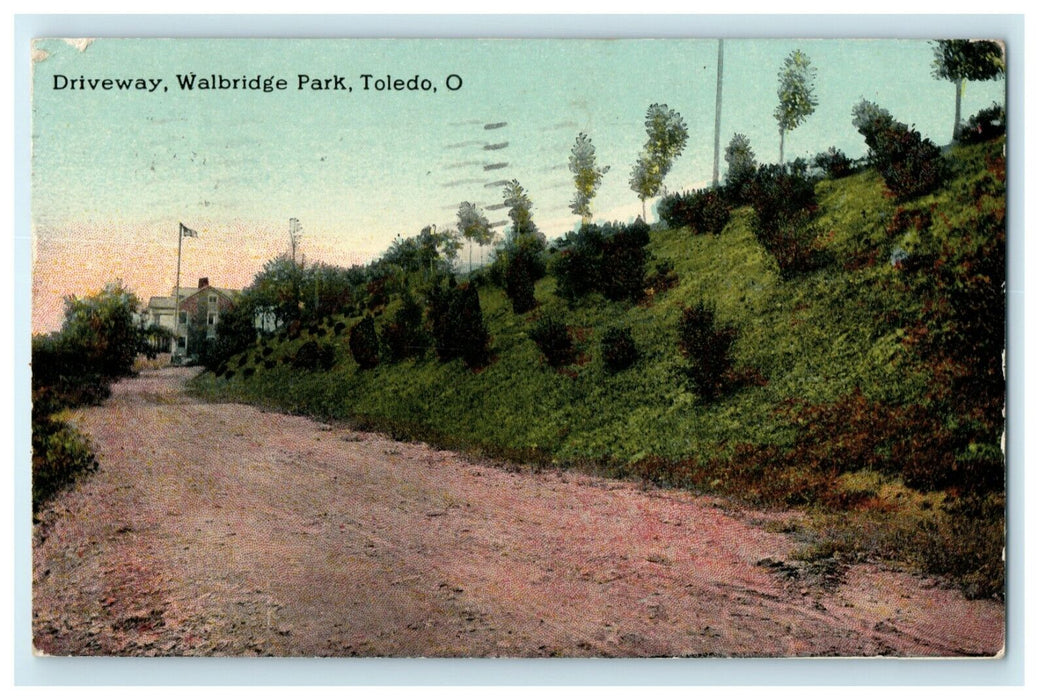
[[201, 304]]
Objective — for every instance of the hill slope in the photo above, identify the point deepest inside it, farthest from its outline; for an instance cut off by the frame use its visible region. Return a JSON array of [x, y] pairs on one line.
[[848, 381]]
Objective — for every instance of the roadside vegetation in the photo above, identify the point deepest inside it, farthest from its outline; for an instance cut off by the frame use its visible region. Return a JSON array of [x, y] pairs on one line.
[[98, 343], [836, 345]]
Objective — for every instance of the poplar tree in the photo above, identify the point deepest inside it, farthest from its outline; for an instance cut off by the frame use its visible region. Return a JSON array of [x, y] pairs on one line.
[[796, 94], [587, 176]]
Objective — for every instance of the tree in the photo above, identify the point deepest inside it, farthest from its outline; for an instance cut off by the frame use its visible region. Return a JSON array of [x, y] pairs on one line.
[[520, 260], [644, 180], [959, 60], [796, 94], [740, 166], [276, 290], [100, 328], [474, 226], [666, 139], [587, 176], [518, 202]]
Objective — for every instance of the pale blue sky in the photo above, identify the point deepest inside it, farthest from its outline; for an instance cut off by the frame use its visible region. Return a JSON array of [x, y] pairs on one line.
[[114, 173]]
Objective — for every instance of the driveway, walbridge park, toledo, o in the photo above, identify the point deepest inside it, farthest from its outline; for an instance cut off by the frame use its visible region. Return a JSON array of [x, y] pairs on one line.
[[519, 347]]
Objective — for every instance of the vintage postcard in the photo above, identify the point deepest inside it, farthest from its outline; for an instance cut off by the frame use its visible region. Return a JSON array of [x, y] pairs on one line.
[[519, 348]]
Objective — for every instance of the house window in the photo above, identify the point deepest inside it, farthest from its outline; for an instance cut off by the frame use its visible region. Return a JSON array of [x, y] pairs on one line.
[[212, 318], [213, 299], [183, 317]]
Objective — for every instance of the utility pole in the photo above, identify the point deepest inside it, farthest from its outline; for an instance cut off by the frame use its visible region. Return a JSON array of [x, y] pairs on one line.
[[718, 112]]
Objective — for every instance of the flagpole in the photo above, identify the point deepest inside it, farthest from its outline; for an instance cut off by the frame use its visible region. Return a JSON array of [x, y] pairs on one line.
[[177, 297]]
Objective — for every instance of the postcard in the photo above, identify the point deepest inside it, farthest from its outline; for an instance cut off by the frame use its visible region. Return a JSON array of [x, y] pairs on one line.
[[519, 347]]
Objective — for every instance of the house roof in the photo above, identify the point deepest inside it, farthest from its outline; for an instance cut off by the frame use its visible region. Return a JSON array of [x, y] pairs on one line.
[[167, 303]]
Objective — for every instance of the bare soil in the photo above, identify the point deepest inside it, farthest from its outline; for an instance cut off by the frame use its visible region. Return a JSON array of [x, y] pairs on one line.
[[220, 529]]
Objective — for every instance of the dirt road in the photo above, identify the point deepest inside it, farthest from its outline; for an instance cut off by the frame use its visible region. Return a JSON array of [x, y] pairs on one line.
[[218, 529]]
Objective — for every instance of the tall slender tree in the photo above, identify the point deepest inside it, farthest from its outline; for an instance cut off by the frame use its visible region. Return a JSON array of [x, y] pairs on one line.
[[518, 202], [587, 176], [795, 93], [959, 60], [644, 180], [474, 227], [666, 138]]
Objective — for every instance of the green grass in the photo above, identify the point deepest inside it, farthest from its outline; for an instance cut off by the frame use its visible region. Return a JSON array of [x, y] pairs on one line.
[[813, 338]]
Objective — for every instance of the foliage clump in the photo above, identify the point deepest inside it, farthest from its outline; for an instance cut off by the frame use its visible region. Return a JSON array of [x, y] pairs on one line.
[[520, 262], [741, 167], [987, 124], [910, 165], [608, 259], [553, 337], [834, 163], [313, 356], [706, 347], [405, 336], [784, 201], [618, 349], [97, 344], [457, 323], [363, 343], [703, 211]]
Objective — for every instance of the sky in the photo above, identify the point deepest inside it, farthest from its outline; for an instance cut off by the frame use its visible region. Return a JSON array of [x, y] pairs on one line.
[[114, 172]]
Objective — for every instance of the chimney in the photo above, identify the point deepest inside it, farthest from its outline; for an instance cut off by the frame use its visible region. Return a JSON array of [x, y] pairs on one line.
[[203, 283]]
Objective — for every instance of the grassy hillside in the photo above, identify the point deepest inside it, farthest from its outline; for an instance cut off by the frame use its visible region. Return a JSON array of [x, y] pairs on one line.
[[831, 350]]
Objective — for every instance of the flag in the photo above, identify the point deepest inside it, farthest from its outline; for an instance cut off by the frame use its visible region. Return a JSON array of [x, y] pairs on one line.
[[186, 231]]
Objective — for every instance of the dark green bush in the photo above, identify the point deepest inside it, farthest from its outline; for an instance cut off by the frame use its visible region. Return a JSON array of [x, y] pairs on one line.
[[741, 167], [910, 165], [618, 349], [519, 282], [706, 348], [363, 343], [60, 454], [784, 202], [834, 163], [404, 336], [311, 356], [554, 340], [608, 259], [704, 211], [457, 323], [986, 125]]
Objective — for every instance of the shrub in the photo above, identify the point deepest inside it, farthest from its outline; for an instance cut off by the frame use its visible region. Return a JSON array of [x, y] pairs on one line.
[[457, 323], [704, 211], [784, 202], [311, 356], [986, 125], [910, 165], [608, 259], [554, 340], [519, 282], [618, 348], [740, 168], [706, 348], [405, 335], [966, 542], [363, 343], [834, 163], [60, 454]]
